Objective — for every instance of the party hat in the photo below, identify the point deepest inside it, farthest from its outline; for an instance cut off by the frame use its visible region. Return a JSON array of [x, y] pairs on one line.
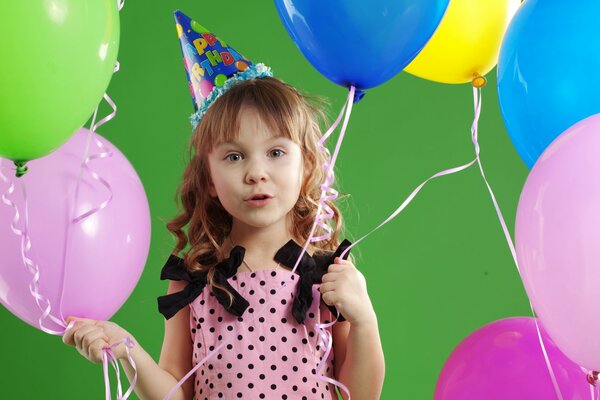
[[212, 67]]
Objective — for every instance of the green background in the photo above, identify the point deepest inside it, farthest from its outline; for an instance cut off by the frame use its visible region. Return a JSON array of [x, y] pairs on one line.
[[436, 273]]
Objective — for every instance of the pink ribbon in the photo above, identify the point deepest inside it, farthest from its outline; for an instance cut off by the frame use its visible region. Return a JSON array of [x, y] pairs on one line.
[[108, 356], [42, 302]]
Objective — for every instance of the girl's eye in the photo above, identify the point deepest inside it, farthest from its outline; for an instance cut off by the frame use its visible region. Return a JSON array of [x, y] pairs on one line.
[[277, 153], [233, 157]]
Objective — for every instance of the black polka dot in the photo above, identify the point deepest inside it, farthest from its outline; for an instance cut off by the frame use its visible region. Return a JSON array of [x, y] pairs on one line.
[[250, 366], [273, 367], [229, 328], [262, 376], [253, 275], [273, 291], [251, 385], [273, 329], [229, 346], [220, 319], [261, 301], [229, 366], [284, 377], [284, 358], [239, 375], [250, 347], [273, 273], [273, 348], [261, 338], [284, 339], [242, 284], [263, 283], [212, 311], [273, 386], [295, 388], [251, 292], [240, 337]]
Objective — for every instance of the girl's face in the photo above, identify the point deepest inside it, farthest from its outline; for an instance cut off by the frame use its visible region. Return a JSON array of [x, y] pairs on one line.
[[258, 162]]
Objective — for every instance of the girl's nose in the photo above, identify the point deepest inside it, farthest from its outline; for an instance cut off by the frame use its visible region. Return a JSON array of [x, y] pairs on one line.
[[256, 173]]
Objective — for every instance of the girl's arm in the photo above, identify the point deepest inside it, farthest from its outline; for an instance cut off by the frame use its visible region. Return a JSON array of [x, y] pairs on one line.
[[154, 380], [359, 362]]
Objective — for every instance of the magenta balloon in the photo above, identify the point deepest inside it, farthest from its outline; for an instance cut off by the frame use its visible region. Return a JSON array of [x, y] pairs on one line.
[[503, 360], [93, 272], [558, 240]]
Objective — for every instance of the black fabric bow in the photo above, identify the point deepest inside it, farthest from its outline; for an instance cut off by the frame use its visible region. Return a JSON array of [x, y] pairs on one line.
[[310, 269], [175, 269]]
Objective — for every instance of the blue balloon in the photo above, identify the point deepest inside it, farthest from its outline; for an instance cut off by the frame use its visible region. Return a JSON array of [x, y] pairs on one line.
[[549, 71], [360, 42]]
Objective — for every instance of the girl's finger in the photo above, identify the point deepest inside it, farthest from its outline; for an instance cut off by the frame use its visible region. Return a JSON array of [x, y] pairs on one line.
[[327, 287], [95, 351], [336, 268], [90, 339], [81, 333], [330, 277], [330, 298]]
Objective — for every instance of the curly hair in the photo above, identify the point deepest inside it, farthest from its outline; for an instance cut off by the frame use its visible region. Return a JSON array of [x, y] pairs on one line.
[[284, 110]]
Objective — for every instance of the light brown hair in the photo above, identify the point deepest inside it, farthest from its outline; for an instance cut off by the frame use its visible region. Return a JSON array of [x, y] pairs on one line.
[[286, 111]]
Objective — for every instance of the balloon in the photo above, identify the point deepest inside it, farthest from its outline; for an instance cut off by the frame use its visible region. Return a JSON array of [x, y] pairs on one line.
[[57, 60], [104, 255], [360, 43], [549, 71], [504, 360], [557, 230], [467, 42]]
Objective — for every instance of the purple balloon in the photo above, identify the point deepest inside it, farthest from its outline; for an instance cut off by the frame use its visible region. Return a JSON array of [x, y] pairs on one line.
[[503, 360], [557, 241], [87, 269]]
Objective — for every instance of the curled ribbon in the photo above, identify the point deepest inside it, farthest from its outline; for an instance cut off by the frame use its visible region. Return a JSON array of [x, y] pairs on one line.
[[42, 302]]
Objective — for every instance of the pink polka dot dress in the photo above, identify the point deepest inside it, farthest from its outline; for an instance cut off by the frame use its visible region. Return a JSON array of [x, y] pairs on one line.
[[270, 345]]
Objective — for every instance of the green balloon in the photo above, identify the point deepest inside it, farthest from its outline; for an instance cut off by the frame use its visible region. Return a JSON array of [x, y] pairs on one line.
[[57, 60]]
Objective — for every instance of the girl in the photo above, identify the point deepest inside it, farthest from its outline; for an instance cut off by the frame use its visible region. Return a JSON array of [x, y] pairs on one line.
[[249, 198]]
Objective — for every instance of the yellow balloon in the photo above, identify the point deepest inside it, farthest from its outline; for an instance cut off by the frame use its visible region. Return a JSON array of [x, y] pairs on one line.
[[467, 41]]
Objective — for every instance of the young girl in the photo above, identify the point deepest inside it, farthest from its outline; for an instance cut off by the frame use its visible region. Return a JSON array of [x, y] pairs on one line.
[[249, 198]]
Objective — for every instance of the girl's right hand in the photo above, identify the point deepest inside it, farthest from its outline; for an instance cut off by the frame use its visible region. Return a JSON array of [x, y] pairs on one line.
[[89, 337]]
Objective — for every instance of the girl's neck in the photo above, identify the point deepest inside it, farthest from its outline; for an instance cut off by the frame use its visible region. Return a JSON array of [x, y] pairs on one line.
[[261, 245]]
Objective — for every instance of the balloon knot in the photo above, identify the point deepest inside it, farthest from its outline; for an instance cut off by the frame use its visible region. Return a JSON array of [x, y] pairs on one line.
[[478, 81], [21, 168], [358, 95], [592, 377]]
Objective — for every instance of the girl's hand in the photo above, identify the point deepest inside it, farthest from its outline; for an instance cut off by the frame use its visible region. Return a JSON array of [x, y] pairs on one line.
[[345, 287], [89, 338]]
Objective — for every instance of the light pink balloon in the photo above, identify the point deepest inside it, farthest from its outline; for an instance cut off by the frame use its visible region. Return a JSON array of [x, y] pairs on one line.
[[558, 241], [96, 270]]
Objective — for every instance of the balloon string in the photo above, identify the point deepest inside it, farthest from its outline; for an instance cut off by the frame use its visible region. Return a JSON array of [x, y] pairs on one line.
[[477, 100], [103, 153], [108, 356], [42, 302]]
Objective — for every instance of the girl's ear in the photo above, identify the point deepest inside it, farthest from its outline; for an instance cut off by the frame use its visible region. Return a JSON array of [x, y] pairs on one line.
[[212, 191]]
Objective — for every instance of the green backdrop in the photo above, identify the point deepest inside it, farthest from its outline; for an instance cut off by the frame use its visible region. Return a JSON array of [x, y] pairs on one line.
[[436, 273]]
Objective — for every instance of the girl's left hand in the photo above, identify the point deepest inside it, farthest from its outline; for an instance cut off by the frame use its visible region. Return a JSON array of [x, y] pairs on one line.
[[345, 288]]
